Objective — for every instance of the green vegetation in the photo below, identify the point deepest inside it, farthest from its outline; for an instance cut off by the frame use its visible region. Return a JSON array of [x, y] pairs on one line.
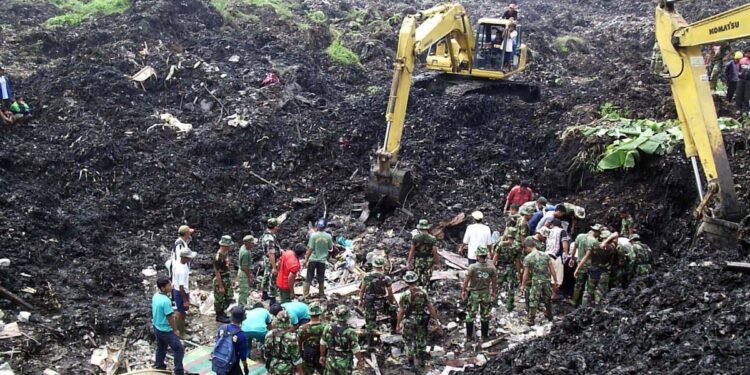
[[231, 10], [80, 10], [373, 89], [566, 43], [317, 16], [340, 54]]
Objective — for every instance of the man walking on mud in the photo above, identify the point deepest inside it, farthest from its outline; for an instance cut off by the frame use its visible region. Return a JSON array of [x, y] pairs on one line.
[[222, 280]]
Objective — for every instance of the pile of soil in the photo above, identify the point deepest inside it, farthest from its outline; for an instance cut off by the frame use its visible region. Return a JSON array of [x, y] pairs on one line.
[[92, 196]]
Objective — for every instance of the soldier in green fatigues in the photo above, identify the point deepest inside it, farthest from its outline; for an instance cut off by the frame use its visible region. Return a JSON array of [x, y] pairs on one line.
[[619, 274], [627, 224], [413, 319], [244, 274], [522, 226], [339, 345], [716, 63], [537, 270], [481, 281], [643, 257], [222, 280], [309, 338], [281, 348], [423, 254], [583, 243], [376, 296], [506, 260], [316, 259], [513, 216], [272, 252], [601, 258]]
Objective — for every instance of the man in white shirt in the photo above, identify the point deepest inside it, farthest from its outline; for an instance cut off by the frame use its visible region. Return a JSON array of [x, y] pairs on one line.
[[557, 244], [6, 92], [510, 40], [185, 235], [476, 235], [181, 287]]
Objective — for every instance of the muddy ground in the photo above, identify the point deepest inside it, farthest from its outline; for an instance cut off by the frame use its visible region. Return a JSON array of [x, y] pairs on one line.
[[91, 196]]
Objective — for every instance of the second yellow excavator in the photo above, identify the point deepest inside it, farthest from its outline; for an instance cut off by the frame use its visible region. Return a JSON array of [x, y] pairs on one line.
[[479, 58]]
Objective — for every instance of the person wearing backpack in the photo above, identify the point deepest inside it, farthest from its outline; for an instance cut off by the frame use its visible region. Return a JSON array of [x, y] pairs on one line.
[[231, 347], [376, 296], [339, 344], [282, 350]]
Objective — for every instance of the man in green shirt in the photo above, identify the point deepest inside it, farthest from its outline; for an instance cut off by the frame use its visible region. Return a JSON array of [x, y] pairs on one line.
[[583, 243], [244, 274], [480, 289], [316, 258], [537, 270]]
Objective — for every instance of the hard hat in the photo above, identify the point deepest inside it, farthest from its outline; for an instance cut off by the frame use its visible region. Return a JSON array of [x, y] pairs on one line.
[[411, 277], [482, 251], [341, 313], [477, 215], [738, 55]]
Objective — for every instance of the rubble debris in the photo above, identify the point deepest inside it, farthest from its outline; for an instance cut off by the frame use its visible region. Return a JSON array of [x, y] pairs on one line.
[[144, 74], [107, 359], [10, 330]]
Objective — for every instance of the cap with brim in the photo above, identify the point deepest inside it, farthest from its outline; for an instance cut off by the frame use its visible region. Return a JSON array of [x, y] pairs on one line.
[[482, 251], [238, 313], [249, 238], [185, 229], [316, 309], [225, 241], [542, 200], [187, 253], [544, 231], [605, 234], [597, 227], [635, 237], [424, 224], [272, 223], [410, 277], [477, 215]]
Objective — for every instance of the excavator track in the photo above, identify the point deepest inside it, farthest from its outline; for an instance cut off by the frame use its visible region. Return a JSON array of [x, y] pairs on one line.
[[457, 85]]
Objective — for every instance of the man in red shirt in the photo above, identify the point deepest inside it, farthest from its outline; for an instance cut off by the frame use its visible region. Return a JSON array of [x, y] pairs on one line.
[[288, 268], [519, 195]]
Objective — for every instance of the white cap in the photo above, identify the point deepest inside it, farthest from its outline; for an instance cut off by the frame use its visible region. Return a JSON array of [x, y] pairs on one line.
[[477, 215]]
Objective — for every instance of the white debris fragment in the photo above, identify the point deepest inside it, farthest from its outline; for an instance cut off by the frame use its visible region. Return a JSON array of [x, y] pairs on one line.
[[148, 272], [23, 316], [172, 122], [50, 372], [234, 59], [5, 262], [236, 120], [5, 369]]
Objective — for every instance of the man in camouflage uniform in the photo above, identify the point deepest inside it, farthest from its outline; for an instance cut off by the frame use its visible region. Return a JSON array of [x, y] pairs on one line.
[[376, 296], [643, 257], [583, 243], [424, 249], [622, 264], [309, 338], [716, 63], [222, 280], [272, 252], [627, 224], [282, 351], [413, 319], [537, 270], [244, 272], [339, 345], [522, 226], [513, 216], [601, 258], [480, 289], [506, 260]]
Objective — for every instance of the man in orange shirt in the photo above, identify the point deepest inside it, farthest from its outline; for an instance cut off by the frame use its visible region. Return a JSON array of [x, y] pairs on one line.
[[519, 195], [288, 268]]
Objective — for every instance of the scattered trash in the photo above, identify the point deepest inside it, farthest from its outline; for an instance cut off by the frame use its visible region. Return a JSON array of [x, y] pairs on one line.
[[144, 74], [29, 290], [234, 59], [172, 122], [270, 80], [106, 358], [6, 370], [5, 262], [50, 372], [236, 120], [149, 272], [23, 316], [10, 330]]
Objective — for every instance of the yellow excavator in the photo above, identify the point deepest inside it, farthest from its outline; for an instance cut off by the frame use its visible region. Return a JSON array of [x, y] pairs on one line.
[[475, 58], [680, 44]]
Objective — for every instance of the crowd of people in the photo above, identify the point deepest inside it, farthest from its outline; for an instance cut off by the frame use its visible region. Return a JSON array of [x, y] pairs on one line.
[[13, 109], [733, 70], [531, 261]]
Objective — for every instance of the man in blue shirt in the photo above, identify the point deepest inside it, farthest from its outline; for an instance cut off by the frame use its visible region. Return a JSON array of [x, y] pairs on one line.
[[299, 313], [240, 344], [165, 328], [255, 326]]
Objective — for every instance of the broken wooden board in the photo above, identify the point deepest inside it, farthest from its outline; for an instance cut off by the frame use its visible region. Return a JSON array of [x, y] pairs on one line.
[[454, 259], [491, 343], [738, 266], [437, 231], [444, 275], [343, 290], [373, 362]]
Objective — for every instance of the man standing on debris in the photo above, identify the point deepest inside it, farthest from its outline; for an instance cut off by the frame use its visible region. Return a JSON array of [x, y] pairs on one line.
[[518, 195], [339, 345], [424, 249], [316, 258], [627, 225], [309, 337], [244, 274], [643, 257], [181, 288], [288, 268], [165, 327], [282, 350], [557, 244], [6, 92], [376, 296], [272, 253], [507, 260], [538, 269], [476, 235], [522, 226], [185, 235], [601, 258], [718, 53], [743, 85], [480, 289], [222, 280], [511, 13], [414, 319], [732, 75], [583, 243]]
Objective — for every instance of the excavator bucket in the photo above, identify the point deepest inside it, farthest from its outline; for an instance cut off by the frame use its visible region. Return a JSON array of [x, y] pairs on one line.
[[388, 184]]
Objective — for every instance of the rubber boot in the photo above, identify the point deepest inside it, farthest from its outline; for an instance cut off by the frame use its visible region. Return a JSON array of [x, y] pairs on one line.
[[576, 297], [485, 331], [548, 312], [469, 332], [511, 301], [322, 292], [306, 290], [532, 316], [221, 317]]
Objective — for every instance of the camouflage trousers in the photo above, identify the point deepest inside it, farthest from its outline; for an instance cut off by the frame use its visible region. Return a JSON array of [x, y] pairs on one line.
[[507, 280], [339, 365], [480, 301], [379, 306], [596, 286], [268, 283], [280, 367], [223, 300], [643, 269], [540, 292], [415, 336], [714, 71], [578, 289], [423, 269], [619, 277]]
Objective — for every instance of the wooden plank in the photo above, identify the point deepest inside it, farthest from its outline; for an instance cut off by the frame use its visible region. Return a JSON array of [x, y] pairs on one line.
[[373, 362], [738, 266], [398, 286], [454, 258], [491, 343], [344, 290], [444, 275]]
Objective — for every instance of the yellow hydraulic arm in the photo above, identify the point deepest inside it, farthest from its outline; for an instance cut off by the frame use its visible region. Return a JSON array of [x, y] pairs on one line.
[[679, 43]]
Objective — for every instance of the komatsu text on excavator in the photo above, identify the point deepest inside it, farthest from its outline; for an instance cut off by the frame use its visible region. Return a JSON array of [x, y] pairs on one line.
[[680, 46], [482, 58]]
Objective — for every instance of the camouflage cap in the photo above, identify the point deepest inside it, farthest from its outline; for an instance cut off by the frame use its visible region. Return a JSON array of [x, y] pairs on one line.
[[316, 309], [527, 211], [272, 223], [424, 224], [341, 313], [482, 251], [282, 320], [544, 231], [542, 200], [597, 227], [411, 277], [378, 261], [225, 241], [605, 234], [249, 238], [510, 232]]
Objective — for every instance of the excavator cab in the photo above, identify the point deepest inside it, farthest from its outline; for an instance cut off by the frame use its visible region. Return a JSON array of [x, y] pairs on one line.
[[493, 42]]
